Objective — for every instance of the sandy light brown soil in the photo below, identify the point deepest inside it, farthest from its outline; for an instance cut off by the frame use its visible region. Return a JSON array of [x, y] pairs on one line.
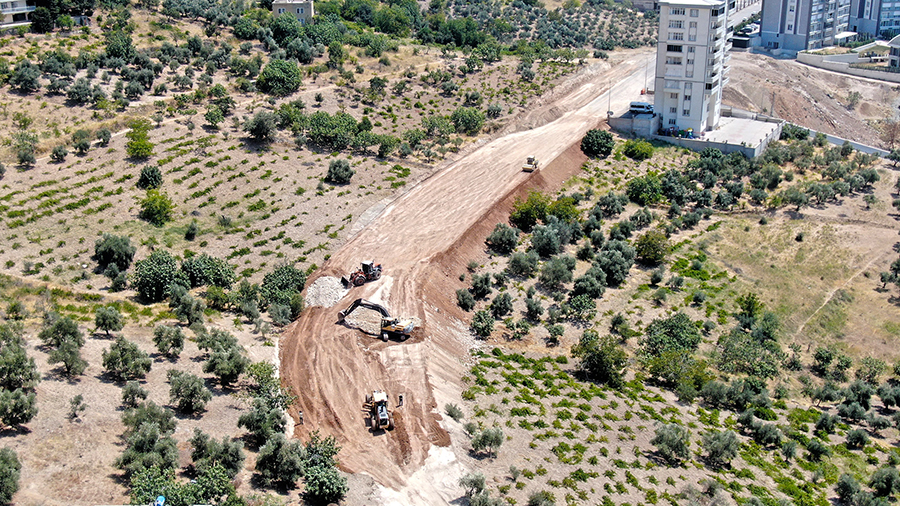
[[423, 239], [811, 97]]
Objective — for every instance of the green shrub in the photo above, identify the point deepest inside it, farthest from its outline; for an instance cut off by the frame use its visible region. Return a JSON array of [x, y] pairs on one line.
[[339, 172], [597, 143], [637, 149]]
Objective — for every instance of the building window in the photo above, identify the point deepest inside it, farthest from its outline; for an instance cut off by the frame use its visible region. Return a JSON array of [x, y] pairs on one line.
[[689, 73], [687, 86], [687, 98], [690, 61], [673, 23], [673, 96], [686, 112], [672, 121], [671, 60], [691, 49], [673, 49], [300, 10], [673, 110], [676, 11], [695, 13], [672, 85], [676, 36], [790, 27], [280, 11], [692, 37], [693, 24]]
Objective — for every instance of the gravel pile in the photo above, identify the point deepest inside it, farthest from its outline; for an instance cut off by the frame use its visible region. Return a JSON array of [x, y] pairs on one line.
[[326, 291]]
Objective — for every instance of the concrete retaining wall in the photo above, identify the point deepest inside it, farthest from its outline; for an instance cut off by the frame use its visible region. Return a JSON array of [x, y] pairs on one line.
[[642, 125], [835, 64]]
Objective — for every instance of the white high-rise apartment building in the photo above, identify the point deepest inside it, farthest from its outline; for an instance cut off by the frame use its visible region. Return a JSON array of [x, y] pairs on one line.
[[691, 63]]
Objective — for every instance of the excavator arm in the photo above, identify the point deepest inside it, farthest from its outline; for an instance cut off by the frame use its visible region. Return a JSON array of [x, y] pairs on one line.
[[366, 304]]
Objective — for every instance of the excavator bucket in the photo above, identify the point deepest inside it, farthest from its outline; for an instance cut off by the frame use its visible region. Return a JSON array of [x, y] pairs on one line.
[[345, 281]]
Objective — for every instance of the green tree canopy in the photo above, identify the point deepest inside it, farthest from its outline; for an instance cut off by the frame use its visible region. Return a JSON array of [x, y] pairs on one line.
[[280, 78], [597, 143], [675, 333], [601, 359], [153, 275]]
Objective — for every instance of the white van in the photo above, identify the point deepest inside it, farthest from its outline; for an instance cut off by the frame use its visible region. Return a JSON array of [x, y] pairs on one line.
[[641, 108]]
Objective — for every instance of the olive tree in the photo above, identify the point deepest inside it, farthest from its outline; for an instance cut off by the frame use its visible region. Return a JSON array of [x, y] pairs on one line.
[[124, 360], [108, 319], [339, 172], [187, 392], [113, 250], [671, 441], [601, 359], [9, 474], [262, 126]]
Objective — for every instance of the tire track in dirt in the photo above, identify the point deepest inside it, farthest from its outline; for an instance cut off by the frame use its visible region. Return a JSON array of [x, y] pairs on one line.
[[421, 238]]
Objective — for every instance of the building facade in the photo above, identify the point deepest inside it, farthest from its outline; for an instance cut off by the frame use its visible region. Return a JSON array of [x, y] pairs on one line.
[[15, 12], [798, 25], [894, 53], [691, 63], [875, 18], [302, 10]]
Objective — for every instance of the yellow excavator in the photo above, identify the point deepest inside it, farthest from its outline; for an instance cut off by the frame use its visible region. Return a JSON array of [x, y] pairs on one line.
[[390, 326]]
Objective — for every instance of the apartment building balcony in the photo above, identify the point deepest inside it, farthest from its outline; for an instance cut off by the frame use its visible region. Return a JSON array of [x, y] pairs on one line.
[[17, 9]]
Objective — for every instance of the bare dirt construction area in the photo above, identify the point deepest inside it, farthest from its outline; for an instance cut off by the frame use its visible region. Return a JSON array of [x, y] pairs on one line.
[[811, 97], [425, 238]]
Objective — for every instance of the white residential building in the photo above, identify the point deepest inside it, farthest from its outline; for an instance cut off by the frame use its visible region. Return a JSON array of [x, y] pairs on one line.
[[302, 10], [15, 12], [691, 63]]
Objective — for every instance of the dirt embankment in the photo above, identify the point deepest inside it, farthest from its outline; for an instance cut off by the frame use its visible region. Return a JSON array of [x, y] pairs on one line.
[[424, 239], [815, 98]]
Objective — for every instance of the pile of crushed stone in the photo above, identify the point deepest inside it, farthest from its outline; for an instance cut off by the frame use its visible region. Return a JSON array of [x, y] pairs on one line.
[[325, 291]]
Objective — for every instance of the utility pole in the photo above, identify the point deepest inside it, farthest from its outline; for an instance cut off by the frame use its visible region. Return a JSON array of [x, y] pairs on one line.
[[609, 111]]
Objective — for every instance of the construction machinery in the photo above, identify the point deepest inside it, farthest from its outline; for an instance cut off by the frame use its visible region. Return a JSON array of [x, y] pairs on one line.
[[390, 326], [377, 405], [531, 164], [370, 271]]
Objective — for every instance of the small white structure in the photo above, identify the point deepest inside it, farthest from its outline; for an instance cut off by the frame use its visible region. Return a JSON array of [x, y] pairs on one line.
[[302, 10]]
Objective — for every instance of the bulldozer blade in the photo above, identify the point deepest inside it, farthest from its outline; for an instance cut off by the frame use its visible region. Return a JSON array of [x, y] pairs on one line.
[[345, 281]]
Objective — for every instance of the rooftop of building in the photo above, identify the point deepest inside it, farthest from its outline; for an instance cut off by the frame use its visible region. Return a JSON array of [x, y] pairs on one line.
[[292, 2], [737, 130], [709, 4], [895, 42]]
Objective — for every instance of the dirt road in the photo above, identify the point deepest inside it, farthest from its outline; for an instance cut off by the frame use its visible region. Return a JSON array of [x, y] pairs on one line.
[[422, 239]]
